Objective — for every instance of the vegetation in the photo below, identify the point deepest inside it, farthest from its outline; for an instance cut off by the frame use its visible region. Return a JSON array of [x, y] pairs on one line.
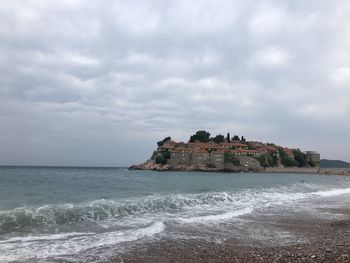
[[230, 158], [202, 136], [268, 160], [301, 158], [228, 138], [311, 164], [235, 138], [251, 147], [285, 160], [263, 161], [160, 159], [163, 156], [160, 143], [219, 138], [211, 165]]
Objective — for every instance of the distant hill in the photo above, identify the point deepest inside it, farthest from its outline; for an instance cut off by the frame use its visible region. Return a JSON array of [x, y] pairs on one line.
[[334, 164]]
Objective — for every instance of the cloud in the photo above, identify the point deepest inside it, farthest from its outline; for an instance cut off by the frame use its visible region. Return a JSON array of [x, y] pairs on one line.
[[271, 57], [118, 76], [342, 75]]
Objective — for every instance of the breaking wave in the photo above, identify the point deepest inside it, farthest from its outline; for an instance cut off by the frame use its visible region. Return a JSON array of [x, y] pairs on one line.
[[25, 219]]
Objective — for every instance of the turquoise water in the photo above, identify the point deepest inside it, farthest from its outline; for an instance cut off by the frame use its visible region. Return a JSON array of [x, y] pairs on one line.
[[49, 213]]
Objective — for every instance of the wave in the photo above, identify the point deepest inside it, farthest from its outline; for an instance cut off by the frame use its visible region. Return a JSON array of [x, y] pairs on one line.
[[218, 217], [43, 246], [23, 219], [216, 205]]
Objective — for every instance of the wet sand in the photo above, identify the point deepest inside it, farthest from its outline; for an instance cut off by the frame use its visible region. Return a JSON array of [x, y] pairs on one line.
[[325, 240]]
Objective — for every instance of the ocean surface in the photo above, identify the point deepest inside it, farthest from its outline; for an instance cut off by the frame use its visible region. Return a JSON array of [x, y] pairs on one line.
[[50, 214]]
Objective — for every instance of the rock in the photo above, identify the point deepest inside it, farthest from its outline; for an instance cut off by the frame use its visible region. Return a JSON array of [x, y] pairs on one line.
[[313, 256]]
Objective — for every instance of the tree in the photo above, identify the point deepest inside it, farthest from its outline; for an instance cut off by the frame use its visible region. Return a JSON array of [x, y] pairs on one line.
[[272, 159], [160, 143], [251, 147], [263, 161], [166, 154], [267, 160], [160, 159], [301, 158], [243, 139], [228, 138], [202, 136], [219, 138], [230, 158], [235, 138], [285, 160]]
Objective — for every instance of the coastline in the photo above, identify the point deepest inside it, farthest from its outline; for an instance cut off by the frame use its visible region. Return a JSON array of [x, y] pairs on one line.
[[184, 168], [328, 240]]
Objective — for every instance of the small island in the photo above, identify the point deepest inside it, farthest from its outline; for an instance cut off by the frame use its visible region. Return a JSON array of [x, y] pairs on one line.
[[226, 153]]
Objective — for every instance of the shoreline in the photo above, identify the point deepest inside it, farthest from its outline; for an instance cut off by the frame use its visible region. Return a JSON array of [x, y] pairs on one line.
[[296, 170], [328, 240]]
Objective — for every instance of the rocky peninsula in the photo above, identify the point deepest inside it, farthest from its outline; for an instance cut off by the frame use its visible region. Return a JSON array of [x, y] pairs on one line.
[[236, 154]]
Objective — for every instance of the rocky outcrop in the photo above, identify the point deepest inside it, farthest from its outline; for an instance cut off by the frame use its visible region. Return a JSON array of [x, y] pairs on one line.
[[248, 164]]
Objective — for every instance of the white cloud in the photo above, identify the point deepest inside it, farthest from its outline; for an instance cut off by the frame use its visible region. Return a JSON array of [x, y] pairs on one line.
[[268, 19], [342, 75], [271, 57]]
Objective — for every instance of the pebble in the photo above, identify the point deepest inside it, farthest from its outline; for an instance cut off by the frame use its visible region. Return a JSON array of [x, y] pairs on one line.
[[345, 257]]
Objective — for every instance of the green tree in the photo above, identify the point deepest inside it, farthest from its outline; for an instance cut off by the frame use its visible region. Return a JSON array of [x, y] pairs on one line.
[[243, 139], [160, 159], [235, 138], [301, 158], [263, 161], [251, 147], [219, 138], [285, 160], [269, 159], [230, 158], [163, 156], [166, 154], [202, 136], [160, 143], [228, 138]]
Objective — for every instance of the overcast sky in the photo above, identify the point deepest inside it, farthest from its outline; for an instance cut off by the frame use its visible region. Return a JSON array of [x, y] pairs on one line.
[[100, 82]]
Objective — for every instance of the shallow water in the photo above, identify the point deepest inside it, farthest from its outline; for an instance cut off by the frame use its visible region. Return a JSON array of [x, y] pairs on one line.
[[71, 214]]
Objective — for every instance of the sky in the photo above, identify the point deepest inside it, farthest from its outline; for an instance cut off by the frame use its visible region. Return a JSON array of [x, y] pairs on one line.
[[98, 83]]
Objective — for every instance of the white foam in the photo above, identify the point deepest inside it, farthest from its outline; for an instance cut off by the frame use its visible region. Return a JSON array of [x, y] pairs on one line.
[[45, 237], [333, 192], [217, 217], [34, 247]]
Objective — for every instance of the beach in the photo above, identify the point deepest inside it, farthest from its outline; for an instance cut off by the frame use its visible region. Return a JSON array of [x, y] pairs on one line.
[[326, 241]]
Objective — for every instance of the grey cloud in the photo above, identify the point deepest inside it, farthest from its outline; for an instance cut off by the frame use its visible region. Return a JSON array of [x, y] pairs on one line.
[[89, 76]]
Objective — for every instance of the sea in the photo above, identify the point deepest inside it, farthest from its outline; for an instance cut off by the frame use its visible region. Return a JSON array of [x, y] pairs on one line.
[[77, 214]]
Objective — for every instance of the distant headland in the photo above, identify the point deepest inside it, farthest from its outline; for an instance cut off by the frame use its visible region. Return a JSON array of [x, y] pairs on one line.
[[226, 153]]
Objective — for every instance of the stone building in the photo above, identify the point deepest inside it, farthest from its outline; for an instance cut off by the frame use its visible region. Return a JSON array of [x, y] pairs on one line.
[[217, 158], [199, 157], [314, 157], [180, 156]]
